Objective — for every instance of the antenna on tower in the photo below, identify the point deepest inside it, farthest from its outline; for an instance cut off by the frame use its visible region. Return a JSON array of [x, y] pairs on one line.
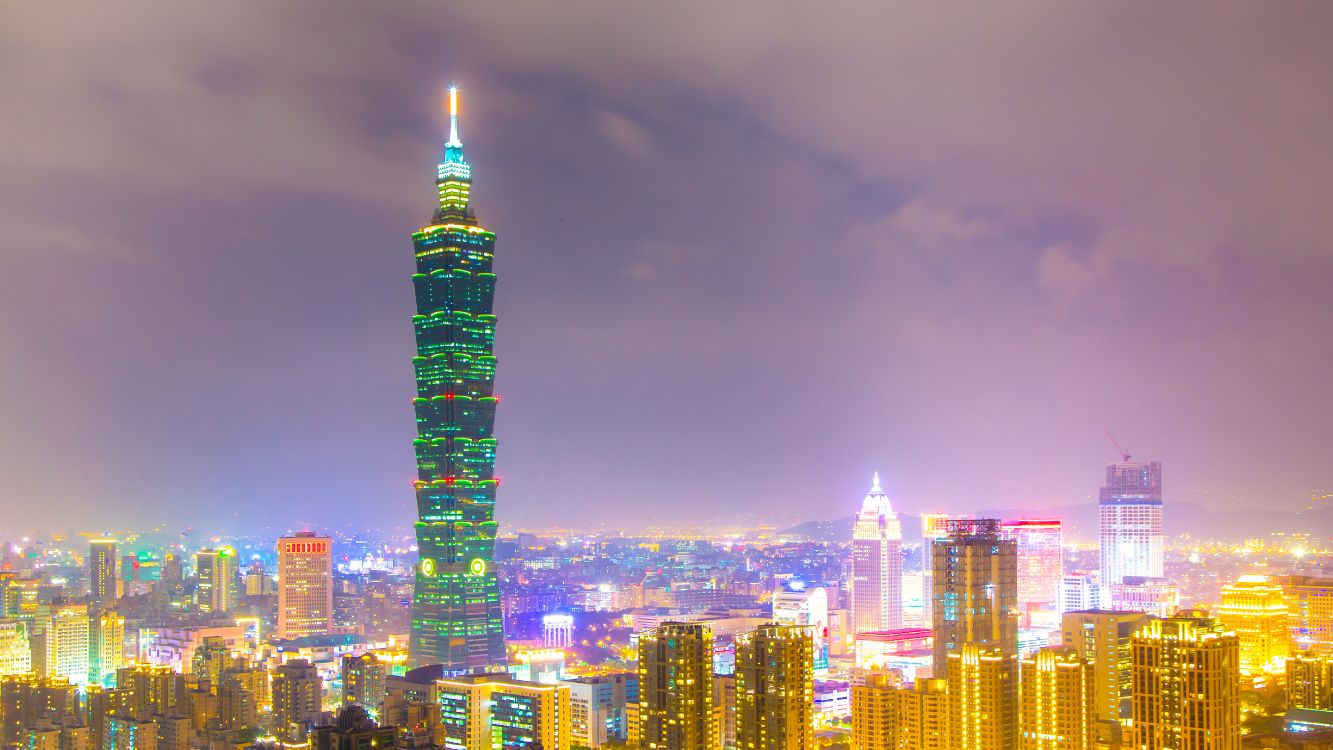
[[1123, 453]]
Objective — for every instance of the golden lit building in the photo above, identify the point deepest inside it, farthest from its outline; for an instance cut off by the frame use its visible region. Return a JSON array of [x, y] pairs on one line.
[[1057, 706], [126, 733], [1102, 637], [775, 688], [923, 716], [106, 647], [67, 633], [676, 688], [297, 699], [1310, 612], [1310, 682], [15, 647], [481, 712], [983, 698], [1256, 609], [363, 680], [101, 572], [305, 585], [216, 570], [875, 713], [724, 705], [1186, 683]]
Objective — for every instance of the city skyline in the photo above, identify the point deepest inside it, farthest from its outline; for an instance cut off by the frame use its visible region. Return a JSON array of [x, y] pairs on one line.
[[974, 322]]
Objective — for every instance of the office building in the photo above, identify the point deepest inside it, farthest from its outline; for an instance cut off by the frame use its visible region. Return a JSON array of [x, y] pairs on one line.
[[1310, 682], [877, 564], [1080, 592], [875, 719], [297, 700], [983, 698], [216, 570], [1057, 702], [798, 604], [305, 585], [1186, 685], [1153, 596], [975, 598], [15, 647], [675, 710], [1255, 608], [456, 619], [363, 679], [66, 648], [1130, 516], [106, 647], [775, 683], [597, 708], [1041, 562], [486, 711], [101, 573], [1103, 638]]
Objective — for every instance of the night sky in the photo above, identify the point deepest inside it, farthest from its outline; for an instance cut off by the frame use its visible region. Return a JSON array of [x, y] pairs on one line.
[[748, 254]]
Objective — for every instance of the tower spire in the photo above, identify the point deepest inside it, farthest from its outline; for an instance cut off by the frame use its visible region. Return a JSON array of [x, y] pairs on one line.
[[453, 118], [874, 485]]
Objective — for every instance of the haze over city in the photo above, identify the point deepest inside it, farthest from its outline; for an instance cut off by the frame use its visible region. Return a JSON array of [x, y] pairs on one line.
[[747, 256]]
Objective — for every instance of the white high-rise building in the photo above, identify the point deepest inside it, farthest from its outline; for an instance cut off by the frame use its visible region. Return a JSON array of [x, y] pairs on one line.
[[1132, 543], [877, 565], [798, 604]]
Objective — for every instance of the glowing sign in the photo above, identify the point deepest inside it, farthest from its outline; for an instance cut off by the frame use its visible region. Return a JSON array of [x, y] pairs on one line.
[[476, 567], [427, 567]]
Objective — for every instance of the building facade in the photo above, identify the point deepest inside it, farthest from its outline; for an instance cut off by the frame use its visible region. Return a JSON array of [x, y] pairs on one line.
[[983, 698], [1186, 683], [1103, 637], [1057, 707], [675, 710], [101, 572], [975, 597], [1255, 608], [775, 685], [456, 618], [1041, 560], [305, 585]]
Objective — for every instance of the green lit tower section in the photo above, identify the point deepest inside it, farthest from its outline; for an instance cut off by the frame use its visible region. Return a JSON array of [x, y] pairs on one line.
[[456, 617]]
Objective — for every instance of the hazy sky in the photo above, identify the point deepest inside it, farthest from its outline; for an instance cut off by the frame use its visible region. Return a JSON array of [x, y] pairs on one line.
[[748, 254]]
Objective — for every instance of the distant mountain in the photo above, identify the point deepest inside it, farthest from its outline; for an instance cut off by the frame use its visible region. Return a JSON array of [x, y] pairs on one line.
[[1080, 521]]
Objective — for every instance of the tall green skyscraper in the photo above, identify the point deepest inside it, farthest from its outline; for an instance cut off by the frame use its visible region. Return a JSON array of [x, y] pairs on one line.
[[456, 617]]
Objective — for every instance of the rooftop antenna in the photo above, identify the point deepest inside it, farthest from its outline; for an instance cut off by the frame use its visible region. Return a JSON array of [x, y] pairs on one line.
[[1123, 453]]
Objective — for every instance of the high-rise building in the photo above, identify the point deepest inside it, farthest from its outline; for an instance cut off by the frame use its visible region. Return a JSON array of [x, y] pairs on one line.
[[675, 710], [975, 598], [101, 572], [877, 564], [1056, 702], [15, 647], [297, 695], [1041, 561], [798, 604], [130, 733], [1130, 514], [923, 716], [1080, 592], [363, 680], [305, 585], [106, 647], [983, 698], [724, 708], [597, 708], [1310, 609], [486, 711], [216, 571], [1186, 683], [1103, 638], [66, 650], [1310, 682], [775, 688], [875, 719], [1154, 596], [456, 619], [1255, 608]]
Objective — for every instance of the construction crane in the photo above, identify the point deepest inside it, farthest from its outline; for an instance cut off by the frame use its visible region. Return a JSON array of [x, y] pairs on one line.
[[1123, 453]]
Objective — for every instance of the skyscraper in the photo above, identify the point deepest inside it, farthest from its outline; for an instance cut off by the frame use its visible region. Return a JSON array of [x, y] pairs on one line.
[[975, 595], [67, 644], [1041, 561], [101, 572], [775, 688], [675, 709], [1130, 515], [1056, 702], [456, 619], [875, 720], [923, 716], [216, 571], [1102, 637], [1186, 680], [877, 565], [106, 647], [305, 585]]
